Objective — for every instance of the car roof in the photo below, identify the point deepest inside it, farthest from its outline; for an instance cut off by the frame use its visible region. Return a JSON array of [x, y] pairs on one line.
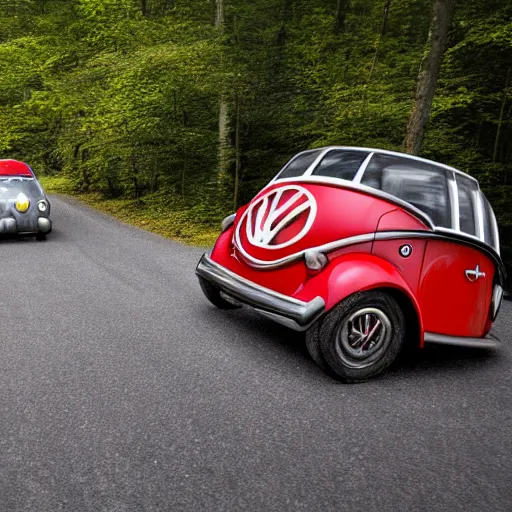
[[477, 209], [325, 149], [10, 167]]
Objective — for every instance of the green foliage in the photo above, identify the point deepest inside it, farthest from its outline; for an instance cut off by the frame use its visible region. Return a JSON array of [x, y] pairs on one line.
[[121, 97]]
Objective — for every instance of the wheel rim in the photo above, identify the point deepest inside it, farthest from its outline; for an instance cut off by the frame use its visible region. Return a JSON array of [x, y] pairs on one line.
[[363, 337]]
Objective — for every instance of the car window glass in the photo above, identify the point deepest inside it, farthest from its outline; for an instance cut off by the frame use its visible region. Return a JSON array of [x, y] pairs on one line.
[[299, 165], [340, 164], [421, 184], [466, 188]]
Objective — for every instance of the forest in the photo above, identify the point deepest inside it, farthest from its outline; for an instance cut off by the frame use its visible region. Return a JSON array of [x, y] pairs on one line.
[[195, 104]]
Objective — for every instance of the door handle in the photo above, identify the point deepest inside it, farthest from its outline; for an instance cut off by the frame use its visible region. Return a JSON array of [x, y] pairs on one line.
[[474, 275]]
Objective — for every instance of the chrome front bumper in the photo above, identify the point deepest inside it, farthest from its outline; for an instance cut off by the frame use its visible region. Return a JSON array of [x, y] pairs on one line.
[[293, 313], [9, 225]]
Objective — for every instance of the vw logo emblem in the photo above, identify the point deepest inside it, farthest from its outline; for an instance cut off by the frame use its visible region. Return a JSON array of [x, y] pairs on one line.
[[273, 212]]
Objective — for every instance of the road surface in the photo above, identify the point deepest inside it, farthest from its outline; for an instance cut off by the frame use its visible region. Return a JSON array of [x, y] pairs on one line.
[[122, 389]]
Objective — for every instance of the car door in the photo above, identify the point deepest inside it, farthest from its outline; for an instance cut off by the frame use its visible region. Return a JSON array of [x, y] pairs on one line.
[[455, 289]]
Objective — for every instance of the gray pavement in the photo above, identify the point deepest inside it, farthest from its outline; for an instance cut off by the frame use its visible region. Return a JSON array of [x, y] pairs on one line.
[[122, 389]]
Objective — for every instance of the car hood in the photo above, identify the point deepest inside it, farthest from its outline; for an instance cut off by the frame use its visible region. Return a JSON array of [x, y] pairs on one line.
[[10, 191]]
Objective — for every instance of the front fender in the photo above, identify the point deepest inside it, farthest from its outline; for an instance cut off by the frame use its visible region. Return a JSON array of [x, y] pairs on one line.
[[356, 272]]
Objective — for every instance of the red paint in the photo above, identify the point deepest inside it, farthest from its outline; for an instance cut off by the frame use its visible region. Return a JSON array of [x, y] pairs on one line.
[[341, 213], [432, 277], [409, 268], [287, 279], [451, 304], [15, 168], [400, 220]]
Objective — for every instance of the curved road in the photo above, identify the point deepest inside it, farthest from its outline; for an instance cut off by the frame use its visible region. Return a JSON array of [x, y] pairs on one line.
[[122, 389]]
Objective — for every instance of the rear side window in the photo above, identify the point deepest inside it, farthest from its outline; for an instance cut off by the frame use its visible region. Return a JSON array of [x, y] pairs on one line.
[[299, 165], [421, 184], [466, 191], [340, 164]]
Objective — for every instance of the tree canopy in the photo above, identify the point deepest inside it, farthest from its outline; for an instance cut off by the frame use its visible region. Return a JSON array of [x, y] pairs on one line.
[[124, 96]]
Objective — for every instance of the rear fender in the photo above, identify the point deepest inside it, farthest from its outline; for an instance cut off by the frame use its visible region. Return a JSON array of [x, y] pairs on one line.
[[358, 272]]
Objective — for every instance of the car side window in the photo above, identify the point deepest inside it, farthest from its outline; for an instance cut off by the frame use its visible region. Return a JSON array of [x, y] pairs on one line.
[[298, 165], [421, 184], [341, 164], [466, 189]]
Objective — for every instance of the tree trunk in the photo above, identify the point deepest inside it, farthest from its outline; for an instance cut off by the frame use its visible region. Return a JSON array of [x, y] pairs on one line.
[[385, 18], [144, 7], [223, 165], [383, 31], [237, 154], [500, 118], [341, 12], [429, 73], [184, 176], [219, 13]]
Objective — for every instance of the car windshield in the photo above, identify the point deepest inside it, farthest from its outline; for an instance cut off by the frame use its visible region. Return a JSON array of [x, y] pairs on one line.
[[298, 165], [341, 164], [450, 198], [28, 186]]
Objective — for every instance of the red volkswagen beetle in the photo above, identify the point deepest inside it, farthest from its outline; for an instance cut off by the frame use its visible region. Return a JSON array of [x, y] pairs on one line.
[[365, 250]]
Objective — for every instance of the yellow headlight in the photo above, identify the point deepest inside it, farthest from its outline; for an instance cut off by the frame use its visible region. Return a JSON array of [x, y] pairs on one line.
[[22, 203]]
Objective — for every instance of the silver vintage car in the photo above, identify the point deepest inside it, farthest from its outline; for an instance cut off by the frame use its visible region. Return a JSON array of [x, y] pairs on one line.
[[24, 207]]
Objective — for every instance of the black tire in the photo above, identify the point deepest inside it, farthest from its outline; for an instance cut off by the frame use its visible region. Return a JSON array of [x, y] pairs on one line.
[[362, 336], [313, 346], [212, 293], [41, 237]]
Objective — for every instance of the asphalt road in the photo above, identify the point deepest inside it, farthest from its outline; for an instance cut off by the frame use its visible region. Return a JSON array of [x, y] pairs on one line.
[[122, 389]]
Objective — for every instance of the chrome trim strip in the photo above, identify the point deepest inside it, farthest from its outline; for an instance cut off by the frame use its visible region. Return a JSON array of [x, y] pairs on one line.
[[395, 153], [443, 234], [454, 197], [227, 222], [490, 341], [474, 204], [448, 235], [480, 213], [496, 233], [404, 155], [287, 322], [360, 172], [258, 297], [331, 246], [462, 234]]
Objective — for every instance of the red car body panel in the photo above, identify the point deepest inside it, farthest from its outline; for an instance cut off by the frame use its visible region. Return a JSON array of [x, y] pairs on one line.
[[340, 214], [450, 303], [424, 277], [409, 268], [287, 279], [351, 273]]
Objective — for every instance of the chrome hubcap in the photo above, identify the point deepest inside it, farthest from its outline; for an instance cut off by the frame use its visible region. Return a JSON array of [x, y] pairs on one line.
[[363, 337]]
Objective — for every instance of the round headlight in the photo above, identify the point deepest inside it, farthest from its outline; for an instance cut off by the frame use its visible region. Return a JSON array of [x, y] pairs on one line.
[[22, 203], [42, 206]]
